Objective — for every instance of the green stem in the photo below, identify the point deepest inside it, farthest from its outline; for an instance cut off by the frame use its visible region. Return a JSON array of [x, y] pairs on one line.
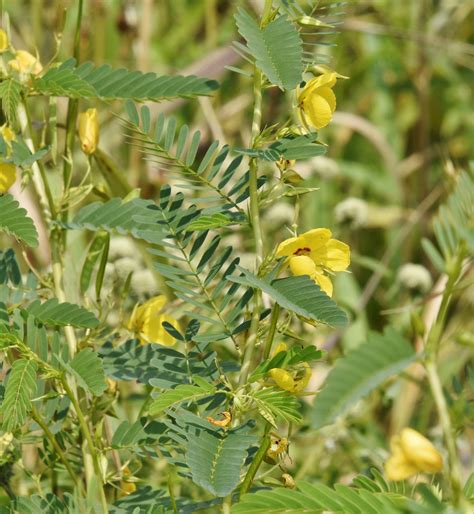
[[90, 443], [72, 111], [50, 436], [431, 348], [257, 461], [256, 227], [271, 331]]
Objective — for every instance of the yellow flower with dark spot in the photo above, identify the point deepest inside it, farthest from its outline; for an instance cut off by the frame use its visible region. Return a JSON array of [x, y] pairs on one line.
[[293, 380], [317, 101], [315, 253], [277, 450], [3, 40], [412, 453], [89, 131], [7, 176], [25, 63], [147, 322]]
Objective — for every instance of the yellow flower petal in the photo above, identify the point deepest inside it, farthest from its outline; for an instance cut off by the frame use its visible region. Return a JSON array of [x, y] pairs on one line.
[[89, 131], [7, 176], [324, 283], [420, 451], [280, 347], [283, 379], [324, 80], [3, 40], [329, 96], [302, 265], [154, 332], [316, 110], [398, 468], [290, 246], [24, 62], [316, 238], [334, 255], [302, 382]]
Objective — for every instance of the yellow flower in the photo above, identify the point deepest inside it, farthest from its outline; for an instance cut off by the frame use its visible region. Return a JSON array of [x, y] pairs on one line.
[[3, 40], [89, 131], [314, 253], [294, 380], [7, 176], [147, 322], [412, 453], [317, 101], [25, 63], [126, 485]]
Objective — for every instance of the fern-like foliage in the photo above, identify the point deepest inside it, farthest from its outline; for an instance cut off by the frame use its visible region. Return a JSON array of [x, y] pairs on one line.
[[87, 367], [9, 268], [57, 314], [217, 180], [297, 294], [215, 458], [359, 372], [454, 224], [15, 222], [10, 95], [88, 81], [276, 48], [314, 499], [21, 387]]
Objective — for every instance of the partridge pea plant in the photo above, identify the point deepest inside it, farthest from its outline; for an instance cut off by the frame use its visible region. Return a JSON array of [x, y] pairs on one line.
[[164, 369]]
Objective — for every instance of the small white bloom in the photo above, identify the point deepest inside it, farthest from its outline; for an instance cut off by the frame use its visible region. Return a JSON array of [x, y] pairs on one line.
[[122, 247], [124, 266], [325, 167], [353, 210], [280, 214], [143, 283], [415, 276]]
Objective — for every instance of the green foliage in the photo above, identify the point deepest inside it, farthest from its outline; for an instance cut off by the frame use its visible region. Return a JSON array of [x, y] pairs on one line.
[[9, 269], [14, 221], [215, 458], [273, 403], [56, 314], [106, 83], [314, 499], [88, 369], [277, 48], [179, 394], [454, 223], [215, 179], [289, 148], [21, 387], [10, 94], [359, 372], [299, 295]]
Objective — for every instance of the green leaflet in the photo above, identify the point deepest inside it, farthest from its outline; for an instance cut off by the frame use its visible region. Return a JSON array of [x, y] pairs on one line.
[[15, 222], [21, 387], [58, 314], [298, 294], [359, 372], [314, 499], [10, 94], [273, 403], [216, 457], [277, 48], [290, 148], [88, 81], [181, 393], [89, 371]]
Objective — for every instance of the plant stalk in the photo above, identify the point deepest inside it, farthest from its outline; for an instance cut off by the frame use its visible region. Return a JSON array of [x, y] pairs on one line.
[[90, 443]]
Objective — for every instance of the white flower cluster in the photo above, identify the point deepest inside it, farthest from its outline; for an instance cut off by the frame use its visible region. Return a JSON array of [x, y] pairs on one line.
[[352, 210], [415, 276]]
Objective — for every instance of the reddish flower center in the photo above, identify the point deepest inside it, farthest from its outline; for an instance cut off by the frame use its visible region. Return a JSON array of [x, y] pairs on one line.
[[303, 251]]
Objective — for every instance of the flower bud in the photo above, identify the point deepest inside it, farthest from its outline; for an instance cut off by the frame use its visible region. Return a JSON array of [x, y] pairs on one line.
[[3, 40], [7, 176], [89, 131]]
